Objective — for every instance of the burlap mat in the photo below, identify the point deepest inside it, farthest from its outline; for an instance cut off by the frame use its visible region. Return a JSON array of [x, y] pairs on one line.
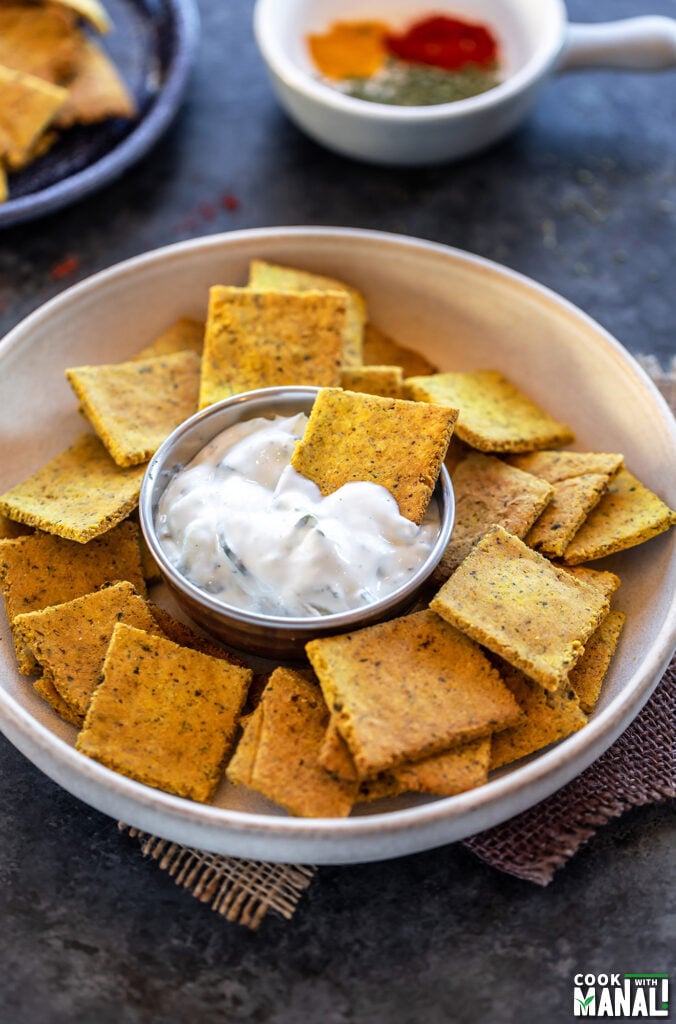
[[639, 769]]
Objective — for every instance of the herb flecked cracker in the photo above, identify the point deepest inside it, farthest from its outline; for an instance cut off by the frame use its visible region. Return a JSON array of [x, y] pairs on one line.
[[39, 570], [587, 677], [489, 492], [407, 689], [388, 441], [263, 275], [81, 494], [96, 92], [39, 39], [278, 757], [519, 605], [70, 640], [185, 333], [27, 106], [373, 380], [628, 514], [495, 416], [164, 715], [134, 406], [257, 339], [382, 350]]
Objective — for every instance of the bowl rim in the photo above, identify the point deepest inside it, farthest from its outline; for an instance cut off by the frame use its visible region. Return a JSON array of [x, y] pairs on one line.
[[349, 619], [542, 58], [376, 836]]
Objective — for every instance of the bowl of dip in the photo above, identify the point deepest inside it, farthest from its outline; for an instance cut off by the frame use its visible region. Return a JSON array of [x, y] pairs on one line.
[[368, 120], [255, 554]]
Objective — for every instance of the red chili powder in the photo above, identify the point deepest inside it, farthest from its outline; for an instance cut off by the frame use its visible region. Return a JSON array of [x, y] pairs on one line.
[[65, 267], [447, 43], [229, 202]]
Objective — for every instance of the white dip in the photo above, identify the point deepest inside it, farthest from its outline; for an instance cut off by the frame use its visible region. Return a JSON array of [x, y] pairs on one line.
[[240, 523]]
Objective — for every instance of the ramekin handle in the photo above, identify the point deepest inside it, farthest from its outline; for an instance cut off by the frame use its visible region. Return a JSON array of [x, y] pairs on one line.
[[632, 44]]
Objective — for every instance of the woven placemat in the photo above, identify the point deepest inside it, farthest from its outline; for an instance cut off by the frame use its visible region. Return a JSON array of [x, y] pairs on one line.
[[639, 769]]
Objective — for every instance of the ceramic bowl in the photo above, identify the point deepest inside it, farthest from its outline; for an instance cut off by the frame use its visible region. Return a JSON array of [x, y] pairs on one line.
[[550, 349], [269, 636], [535, 40]]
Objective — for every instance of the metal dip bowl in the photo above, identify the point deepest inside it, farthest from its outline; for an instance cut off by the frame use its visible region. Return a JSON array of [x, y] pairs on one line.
[[270, 636]]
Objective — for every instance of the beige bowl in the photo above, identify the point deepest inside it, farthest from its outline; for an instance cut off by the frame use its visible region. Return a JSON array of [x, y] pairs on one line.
[[270, 636]]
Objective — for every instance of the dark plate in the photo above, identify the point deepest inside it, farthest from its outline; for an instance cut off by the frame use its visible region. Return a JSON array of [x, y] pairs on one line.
[[152, 44]]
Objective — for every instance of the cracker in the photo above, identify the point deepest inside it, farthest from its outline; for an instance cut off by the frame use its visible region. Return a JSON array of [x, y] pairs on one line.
[[587, 677], [40, 40], [380, 349], [571, 503], [263, 275], [548, 718], [134, 406], [627, 515], [608, 582], [388, 441], [184, 334], [27, 106], [183, 635], [278, 753], [70, 640], [4, 185], [256, 339], [408, 689], [79, 495], [44, 687], [555, 466], [517, 604], [163, 714], [96, 92], [373, 380], [10, 529], [495, 416], [488, 492], [90, 11], [40, 570]]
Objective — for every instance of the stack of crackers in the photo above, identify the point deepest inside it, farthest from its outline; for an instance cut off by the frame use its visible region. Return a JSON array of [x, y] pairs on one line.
[[53, 75], [505, 655]]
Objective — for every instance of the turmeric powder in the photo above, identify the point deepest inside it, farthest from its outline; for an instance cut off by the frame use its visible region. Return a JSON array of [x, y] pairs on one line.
[[350, 49]]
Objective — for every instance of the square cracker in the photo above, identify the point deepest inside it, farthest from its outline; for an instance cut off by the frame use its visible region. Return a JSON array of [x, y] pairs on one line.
[[388, 441], [495, 416], [45, 688], [408, 689], [96, 92], [489, 492], [40, 40], [27, 106], [373, 380], [41, 570], [587, 677], [70, 640], [184, 334], [555, 466], [278, 753], [81, 494], [257, 339], [547, 718], [263, 275], [517, 604], [380, 349], [134, 406], [628, 514], [164, 715]]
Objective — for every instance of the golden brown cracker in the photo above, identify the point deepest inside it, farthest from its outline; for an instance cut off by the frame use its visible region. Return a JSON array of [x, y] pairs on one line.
[[517, 604], [381, 349], [10, 529], [279, 757], [44, 687], [488, 492], [183, 635], [81, 494], [555, 466], [134, 406], [256, 339], [163, 714], [70, 640], [96, 91], [39, 39], [40, 570], [388, 441], [373, 380], [408, 689], [571, 503], [628, 514], [184, 334], [587, 677], [264, 275], [495, 416], [548, 718], [27, 106], [90, 11], [608, 582]]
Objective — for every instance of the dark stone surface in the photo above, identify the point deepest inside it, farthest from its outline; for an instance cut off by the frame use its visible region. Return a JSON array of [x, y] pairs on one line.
[[583, 199]]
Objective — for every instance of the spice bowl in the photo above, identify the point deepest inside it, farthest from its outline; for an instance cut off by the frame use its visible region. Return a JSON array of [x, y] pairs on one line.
[[270, 636], [534, 41]]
